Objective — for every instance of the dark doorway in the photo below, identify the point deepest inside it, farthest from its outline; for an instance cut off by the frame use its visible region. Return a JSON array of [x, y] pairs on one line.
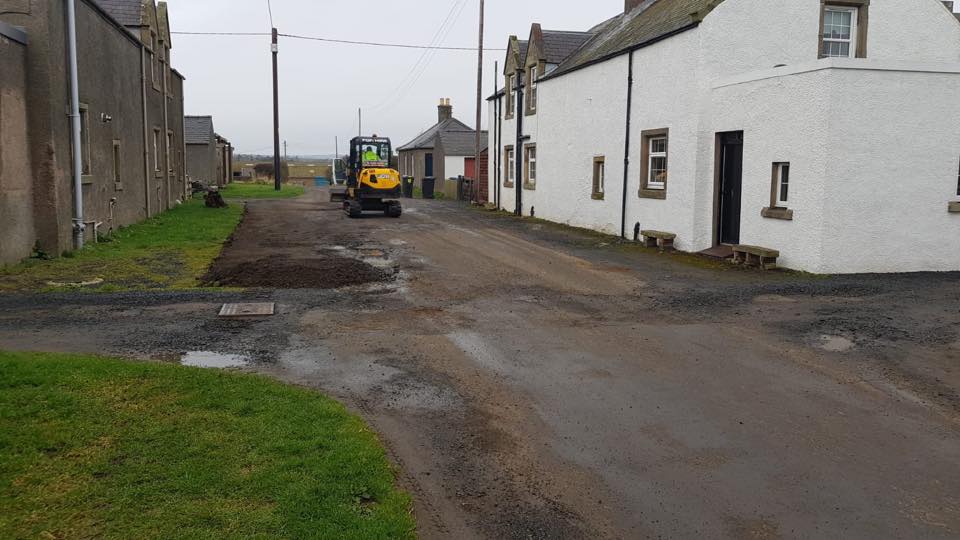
[[730, 177], [428, 165]]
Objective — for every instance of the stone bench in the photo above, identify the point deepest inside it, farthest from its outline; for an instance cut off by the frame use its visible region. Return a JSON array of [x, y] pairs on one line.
[[763, 257], [658, 239]]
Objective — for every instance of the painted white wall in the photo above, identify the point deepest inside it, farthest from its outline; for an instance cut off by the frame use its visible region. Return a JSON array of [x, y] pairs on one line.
[[453, 166]]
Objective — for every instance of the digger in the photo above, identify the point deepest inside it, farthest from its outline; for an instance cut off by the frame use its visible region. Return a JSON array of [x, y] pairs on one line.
[[372, 186]]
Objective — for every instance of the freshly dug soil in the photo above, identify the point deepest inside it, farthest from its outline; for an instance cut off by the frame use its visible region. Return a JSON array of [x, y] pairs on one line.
[[280, 272]]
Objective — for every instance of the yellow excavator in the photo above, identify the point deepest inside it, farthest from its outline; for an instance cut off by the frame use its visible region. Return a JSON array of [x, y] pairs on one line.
[[372, 186]]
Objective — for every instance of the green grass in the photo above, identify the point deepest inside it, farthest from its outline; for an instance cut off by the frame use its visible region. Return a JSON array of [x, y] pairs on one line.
[[102, 448], [172, 250], [260, 191]]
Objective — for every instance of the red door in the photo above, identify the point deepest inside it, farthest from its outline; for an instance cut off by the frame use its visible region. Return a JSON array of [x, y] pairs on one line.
[[470, 167]]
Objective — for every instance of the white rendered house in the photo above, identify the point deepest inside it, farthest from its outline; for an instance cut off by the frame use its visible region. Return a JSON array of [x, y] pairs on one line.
[[829, 131]]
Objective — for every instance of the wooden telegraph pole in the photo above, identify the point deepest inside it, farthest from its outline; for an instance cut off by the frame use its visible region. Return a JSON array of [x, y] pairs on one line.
[[476, 161], [276, 117]]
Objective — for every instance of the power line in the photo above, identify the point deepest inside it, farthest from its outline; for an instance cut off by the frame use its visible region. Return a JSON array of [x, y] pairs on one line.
[[340, 41], [270, 11]]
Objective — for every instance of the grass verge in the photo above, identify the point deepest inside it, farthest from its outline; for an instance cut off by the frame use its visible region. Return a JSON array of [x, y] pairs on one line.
[[260, 191], [101, 448], [169, 251]]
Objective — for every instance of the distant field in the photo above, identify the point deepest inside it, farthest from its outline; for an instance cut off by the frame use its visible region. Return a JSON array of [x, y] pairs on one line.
[[239, 190]]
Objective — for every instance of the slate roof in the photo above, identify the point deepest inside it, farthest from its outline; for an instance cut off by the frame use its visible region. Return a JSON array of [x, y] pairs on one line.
[[650, 21], [427, 139], [462, 143], [559, 44], [126, 12], [524, 45], [198, 129]]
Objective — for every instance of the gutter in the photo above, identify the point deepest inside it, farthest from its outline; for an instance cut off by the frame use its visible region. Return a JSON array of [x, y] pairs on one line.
[[78, 224], [626, 149]]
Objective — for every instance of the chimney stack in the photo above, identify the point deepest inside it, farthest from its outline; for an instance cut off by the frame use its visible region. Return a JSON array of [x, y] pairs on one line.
[[445, 110], [629, 5]]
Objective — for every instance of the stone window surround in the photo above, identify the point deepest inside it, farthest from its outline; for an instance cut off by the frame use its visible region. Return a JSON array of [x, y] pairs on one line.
[[117, 160], [863, 19], [86, 156], [531, 109], [598, 162], [157, 146], [776, 210], [647, 192], [511, 95], [506, 164], [527, 184]]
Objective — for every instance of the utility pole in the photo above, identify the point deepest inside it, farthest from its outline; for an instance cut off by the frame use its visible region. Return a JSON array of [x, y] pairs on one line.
[[277, 180], [359, 122], [285, 156], [476, 161]]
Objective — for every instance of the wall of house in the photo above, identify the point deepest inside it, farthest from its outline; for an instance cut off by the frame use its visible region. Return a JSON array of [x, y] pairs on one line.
[[201, 163], [175, 121], [17, 234], [891, 177], [453, 166], [109, 70]]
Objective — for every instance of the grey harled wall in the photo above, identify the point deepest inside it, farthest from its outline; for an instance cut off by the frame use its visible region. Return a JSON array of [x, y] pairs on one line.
[[17, 235], [202, 163]]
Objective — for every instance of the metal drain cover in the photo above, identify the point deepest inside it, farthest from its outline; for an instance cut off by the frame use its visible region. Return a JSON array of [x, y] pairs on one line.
[[230, 311]]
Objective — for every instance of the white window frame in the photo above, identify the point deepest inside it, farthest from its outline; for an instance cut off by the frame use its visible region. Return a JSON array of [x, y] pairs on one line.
[[533, 88], [599, 174], [511, 94], [852, 41], [530, 161], [86, 163], [782, 198], [156, 150], [511, 165], [652, 183]]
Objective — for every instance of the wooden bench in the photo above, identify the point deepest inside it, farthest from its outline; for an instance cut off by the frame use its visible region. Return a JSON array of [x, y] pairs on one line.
[[658, 239], [763, 257]]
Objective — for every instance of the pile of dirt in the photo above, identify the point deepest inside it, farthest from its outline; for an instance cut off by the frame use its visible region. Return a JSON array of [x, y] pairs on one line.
[[286, 273]]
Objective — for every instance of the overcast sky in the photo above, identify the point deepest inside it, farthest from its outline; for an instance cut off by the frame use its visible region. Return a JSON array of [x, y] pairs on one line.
[[322, 84]]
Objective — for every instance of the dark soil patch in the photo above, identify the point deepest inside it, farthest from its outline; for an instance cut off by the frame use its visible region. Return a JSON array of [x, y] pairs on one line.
[[288, 273]]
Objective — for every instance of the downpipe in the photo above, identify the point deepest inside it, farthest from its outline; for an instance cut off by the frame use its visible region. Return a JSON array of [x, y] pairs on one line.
[[518, 113], [626, 150], [78, 225]]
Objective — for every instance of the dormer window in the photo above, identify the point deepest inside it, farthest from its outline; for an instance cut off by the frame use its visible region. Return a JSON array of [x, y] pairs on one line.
[[843, 29], [511, 95], [532, 99]]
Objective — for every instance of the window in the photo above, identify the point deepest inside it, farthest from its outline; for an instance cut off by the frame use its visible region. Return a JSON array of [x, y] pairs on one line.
[[781, 184], [599, 175], [511, 95], [117, 177], [509, 161], [530, 166], [532, 95], [169, 151], [843, 29], [958, 181], [779, 193], [156, 150], [653, 165], [85, 161]]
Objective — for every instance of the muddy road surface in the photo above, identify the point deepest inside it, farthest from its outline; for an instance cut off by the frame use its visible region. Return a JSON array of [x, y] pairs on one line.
[[532, 381]]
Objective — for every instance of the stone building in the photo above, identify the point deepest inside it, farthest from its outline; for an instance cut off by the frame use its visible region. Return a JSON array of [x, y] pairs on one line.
[[209, 156], [132, 143], [446, 150]]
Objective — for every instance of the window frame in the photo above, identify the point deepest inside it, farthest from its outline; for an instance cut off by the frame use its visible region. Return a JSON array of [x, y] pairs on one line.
[[958, 178], [532, 93], [599, 177], [511, 95], [117, 163], [510, 163], [859, 26], [156, 151], [86, 159], [653, 190], [528, 181], [778, 208], [170, 163]]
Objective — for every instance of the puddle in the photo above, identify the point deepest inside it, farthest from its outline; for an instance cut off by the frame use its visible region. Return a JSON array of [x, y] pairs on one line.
[[206, 359], [835, 343]]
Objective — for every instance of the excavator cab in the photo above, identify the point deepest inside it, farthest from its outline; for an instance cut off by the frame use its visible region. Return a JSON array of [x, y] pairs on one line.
[[371, 184]]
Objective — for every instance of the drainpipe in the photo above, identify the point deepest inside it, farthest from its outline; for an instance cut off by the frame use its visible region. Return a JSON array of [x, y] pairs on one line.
[[78, 225], [626, 149], [166, 130], [518, 148], [146, 127], [496, 135]]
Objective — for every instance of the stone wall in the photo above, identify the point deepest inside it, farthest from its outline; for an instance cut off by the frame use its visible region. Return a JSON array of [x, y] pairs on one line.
[[17, 235]]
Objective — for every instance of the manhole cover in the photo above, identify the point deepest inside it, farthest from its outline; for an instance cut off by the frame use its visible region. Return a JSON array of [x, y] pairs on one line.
[[247, 310]]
